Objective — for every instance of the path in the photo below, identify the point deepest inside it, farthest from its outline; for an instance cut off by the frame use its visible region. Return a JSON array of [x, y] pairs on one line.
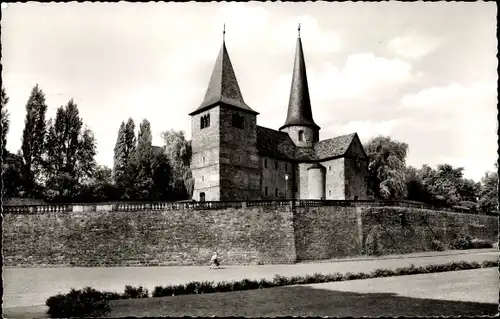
[[32, 286]]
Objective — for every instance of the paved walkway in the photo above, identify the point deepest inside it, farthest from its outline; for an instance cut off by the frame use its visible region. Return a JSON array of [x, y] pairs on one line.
[[32, 286]]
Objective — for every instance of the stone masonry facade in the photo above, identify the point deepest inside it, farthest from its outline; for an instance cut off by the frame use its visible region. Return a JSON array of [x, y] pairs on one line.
[[250, 235], [234, 159]]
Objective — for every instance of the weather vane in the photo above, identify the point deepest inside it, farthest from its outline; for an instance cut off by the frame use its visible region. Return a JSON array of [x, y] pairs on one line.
[[224, 33], [299, 30]]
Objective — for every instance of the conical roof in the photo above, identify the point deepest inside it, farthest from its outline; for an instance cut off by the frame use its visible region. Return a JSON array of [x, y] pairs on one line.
[[223, 87], [299, 105]]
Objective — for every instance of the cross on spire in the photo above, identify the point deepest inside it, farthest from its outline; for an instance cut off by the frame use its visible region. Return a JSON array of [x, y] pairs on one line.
[[298, 29], [224, 33]]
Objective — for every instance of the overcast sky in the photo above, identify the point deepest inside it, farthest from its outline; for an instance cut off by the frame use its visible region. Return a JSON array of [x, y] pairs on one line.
[[422, 73]]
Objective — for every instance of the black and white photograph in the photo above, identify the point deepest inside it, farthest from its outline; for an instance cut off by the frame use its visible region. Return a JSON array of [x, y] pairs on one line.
[[249, 159]]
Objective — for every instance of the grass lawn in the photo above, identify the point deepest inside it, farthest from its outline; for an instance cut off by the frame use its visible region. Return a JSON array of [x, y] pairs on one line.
[[404, 298]]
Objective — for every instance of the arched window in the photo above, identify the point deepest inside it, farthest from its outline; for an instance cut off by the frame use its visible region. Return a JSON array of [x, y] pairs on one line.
[[202, 197], [301, 135], [238, 121], [205, 121]]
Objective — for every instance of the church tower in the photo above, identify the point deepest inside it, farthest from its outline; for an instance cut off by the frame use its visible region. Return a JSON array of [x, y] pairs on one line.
[[299, 122], [224, 163]]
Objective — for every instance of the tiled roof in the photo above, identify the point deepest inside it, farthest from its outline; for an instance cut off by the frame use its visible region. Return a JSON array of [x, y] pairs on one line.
[[299, 105], [223, 87], [333, 147], [274, 143]]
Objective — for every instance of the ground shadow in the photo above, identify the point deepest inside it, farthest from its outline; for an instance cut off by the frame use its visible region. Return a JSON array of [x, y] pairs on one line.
[[297, 301]]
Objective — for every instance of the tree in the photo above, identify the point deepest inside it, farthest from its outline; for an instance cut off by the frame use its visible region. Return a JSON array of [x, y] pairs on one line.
[[161, 176], [488, 196], [144, 161], [178, 152], [386, 169], [101, 186], [33, 139], [5, 123], [125, 172], [69, 158]]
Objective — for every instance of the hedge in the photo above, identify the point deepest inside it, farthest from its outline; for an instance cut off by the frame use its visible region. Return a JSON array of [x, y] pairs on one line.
[[92, 303]]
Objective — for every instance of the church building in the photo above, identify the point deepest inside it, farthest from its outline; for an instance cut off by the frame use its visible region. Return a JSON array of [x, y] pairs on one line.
[[234, 159]]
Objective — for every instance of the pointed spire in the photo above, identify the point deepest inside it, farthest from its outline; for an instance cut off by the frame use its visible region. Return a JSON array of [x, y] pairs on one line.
[[299, 105], [223, 87]]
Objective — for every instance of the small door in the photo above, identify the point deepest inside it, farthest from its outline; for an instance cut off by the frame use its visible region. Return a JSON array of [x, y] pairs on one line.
[[202, 197]]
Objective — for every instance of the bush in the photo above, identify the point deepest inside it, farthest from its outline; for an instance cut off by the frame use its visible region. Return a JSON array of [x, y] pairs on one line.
[[437, 245], [134, 293], [78, 303], [489, 263], [468, 243]]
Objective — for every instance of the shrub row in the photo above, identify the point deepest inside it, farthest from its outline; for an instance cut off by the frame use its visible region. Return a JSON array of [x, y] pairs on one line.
[[468, 243], [92, 303]]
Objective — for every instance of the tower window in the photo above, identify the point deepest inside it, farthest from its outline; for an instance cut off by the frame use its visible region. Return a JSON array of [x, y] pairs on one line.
[[276, 192], [203, 178], [301, 136], [265, 190], [276, 165], [203, 160], [330, 168], [265, 162], [329, 192], [238, 121], [205, 121]]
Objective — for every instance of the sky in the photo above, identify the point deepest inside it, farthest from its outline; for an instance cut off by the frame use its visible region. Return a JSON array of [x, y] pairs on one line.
[[423, 73]]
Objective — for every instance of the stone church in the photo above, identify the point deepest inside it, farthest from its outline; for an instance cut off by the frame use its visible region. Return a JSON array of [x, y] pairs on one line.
[[234, 159]]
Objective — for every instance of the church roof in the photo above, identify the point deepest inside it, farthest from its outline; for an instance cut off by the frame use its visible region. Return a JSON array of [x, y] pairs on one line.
[[333, 147], [223, 87], [299, 105], [274, 143], [279, 145]]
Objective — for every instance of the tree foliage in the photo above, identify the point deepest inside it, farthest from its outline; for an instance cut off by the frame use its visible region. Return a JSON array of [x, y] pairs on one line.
[[4, 123], [386, 169], [488, 195], [125, 165], [178, 152], [69, 153], [144, 161], [33, 139]]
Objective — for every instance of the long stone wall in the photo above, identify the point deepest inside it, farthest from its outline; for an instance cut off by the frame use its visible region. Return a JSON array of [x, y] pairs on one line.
[[171, 237], [127, 235]]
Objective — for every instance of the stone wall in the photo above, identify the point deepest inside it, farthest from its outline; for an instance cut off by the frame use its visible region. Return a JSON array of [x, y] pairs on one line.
[[273, 177], [175, 237], [249, 235], [395, 230], [310, 136], [355, 170], [334, 179], [327, 232]]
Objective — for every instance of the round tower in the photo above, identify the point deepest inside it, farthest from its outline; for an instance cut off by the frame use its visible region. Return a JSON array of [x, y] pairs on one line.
[[316, 181]]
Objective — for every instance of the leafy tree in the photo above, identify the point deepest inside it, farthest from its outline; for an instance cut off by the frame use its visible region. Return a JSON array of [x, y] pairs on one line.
[[70, 149], [5, 123], [178, 152], [125, 163], [161, 176], [386, 169], [11, 175], [415, 187], [488, 196], [144, 161], [33, 139], [119, 159], [100, 187]]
